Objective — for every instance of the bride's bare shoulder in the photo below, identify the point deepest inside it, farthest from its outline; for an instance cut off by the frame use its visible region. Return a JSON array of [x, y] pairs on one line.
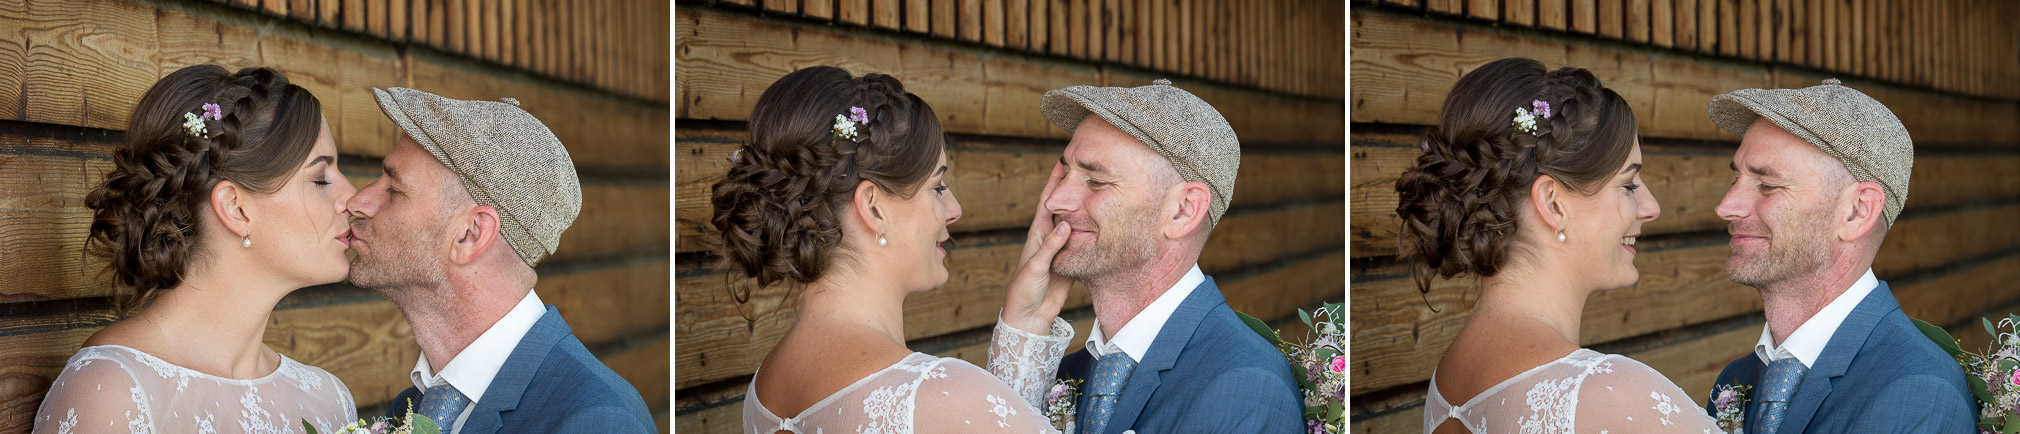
[[810, 363], [1487, 353]]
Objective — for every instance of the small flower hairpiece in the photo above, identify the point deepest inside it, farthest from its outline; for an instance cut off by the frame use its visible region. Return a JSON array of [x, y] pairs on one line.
[[845, 125], [1525, 120], [194, 123]]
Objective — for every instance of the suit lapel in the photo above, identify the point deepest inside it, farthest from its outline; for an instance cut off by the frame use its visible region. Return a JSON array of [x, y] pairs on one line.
[[1837, 356], [1164, 350], [512, 380]]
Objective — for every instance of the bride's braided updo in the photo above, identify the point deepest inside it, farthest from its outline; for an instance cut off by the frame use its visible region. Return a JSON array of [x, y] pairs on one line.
[[1458, 203], [777, 210], [145, 216]]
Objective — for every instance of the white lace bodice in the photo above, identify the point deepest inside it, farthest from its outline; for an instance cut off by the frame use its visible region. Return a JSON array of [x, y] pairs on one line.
[[1585, 392], [923, 393], [112, 388]]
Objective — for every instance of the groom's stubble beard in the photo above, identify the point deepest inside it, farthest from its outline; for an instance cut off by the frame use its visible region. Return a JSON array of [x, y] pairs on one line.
[[1795, 249], [394, 263], [1118, 247]]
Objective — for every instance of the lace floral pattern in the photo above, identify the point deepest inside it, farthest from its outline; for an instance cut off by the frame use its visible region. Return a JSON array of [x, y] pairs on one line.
[[1027, 362], [104, 385], [922, 393], [1582, 392]]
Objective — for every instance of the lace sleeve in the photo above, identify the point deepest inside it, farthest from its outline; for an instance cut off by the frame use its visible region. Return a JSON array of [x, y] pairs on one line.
[[968, 399], [94, 395], [1632, 398], [1028, 362]]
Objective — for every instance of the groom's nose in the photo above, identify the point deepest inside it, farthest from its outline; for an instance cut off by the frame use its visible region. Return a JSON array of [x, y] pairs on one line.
[[1065, 198]]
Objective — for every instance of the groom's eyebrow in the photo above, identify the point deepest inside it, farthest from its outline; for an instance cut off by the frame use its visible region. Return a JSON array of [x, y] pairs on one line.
[[1085, 165], [1765, 172]]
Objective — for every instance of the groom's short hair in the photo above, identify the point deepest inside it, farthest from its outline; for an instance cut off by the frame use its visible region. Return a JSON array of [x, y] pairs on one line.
[[1183, 128], [504, 157]]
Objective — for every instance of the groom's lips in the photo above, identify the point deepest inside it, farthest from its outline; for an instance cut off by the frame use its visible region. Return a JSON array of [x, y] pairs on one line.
[[345, 238]]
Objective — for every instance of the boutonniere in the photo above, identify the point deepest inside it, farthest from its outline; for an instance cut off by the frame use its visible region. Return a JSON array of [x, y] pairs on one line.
[[1728, 406], [1060, 403]]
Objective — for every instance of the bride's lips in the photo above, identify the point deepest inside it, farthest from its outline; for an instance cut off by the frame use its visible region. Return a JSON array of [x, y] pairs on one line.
[[345, 238]]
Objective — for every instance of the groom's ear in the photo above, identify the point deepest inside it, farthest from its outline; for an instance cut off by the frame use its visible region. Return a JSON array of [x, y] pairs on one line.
[[479, 230], [225, 205], [1186, 209]]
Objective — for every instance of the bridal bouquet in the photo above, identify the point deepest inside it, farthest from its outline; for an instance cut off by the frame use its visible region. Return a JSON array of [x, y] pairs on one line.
[[411, 424], [1994, 375], [1318, 362]]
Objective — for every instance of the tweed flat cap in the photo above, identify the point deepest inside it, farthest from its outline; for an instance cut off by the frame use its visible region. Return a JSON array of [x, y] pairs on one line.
[[1173, 122], [1844, 122], [505, 157]]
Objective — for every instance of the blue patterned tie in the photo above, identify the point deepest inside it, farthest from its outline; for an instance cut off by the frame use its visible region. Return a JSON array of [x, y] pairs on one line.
[[442, 404], [1783, 377], [1111, 372]]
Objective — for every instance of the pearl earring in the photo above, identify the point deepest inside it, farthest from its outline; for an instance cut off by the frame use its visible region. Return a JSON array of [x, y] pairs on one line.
[[1560, 236], [880, 240], [247, 241]]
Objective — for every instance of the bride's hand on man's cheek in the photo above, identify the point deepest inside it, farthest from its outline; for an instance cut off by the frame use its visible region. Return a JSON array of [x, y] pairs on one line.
[[1036, 295]]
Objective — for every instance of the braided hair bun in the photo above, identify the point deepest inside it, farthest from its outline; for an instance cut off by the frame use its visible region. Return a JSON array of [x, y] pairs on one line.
[[777, 208], [145, 217], [1458, 203]]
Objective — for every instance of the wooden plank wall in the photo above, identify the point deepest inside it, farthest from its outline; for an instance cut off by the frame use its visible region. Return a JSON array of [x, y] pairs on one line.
[[70, 71], [1944, 68], [983, 66], [613, 45]]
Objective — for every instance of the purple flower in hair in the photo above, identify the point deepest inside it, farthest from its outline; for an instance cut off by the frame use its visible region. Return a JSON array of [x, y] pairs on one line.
[[1542, 109], [213, 112], [859, 116]]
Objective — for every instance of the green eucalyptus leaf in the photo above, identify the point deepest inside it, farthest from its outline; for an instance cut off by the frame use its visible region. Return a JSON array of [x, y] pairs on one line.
[[424, 425], [1940, 337], [311, 429], [1261, 328]]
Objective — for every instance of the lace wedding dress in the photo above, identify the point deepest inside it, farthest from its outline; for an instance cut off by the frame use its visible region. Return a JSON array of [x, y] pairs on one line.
[[1584, 392], [923, 393], [112, 388]]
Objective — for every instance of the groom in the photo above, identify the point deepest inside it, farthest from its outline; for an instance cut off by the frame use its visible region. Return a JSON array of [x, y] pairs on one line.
[[1822, 172], [1149, 172], [473, 195]]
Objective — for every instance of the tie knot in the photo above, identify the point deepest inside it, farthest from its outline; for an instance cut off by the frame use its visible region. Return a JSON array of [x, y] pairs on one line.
[[1782, 379], [1111, 372], [442, 404]]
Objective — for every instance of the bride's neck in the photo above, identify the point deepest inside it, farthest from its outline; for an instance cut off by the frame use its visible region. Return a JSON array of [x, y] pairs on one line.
[[1532, 293], [847, 295], [214, 323]]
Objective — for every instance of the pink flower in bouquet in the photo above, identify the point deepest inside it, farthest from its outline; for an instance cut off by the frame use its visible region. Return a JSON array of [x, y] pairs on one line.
[[1339, 365], [1058, 391], [2015, 380]]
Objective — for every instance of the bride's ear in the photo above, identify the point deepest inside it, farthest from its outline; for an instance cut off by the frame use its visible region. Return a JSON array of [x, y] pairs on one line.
[[1544, 197], [867, 198], [226, 203]]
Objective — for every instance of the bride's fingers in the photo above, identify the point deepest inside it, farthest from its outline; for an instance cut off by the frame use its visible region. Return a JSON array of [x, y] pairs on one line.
[[1041, 220]]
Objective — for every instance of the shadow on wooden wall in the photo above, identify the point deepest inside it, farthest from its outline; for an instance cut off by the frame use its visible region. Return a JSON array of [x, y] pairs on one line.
[[71, 71]]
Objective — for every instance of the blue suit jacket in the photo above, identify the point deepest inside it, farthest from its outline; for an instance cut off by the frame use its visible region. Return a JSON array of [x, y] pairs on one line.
[[1877, 374], [551, 383], [1205, 372]]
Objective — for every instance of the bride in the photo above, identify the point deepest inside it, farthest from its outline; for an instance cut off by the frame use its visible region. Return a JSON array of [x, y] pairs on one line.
[[841, 188], [225, 198], [1532, 181]]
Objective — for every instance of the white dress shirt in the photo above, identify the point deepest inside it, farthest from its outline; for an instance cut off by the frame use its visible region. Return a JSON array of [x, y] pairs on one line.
[[1135, 336], [472, 369], [1807, 343]]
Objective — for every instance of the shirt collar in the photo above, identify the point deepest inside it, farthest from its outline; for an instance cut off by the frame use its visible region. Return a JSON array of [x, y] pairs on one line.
[[472, 369], [1807, 343], [1136, 335]]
